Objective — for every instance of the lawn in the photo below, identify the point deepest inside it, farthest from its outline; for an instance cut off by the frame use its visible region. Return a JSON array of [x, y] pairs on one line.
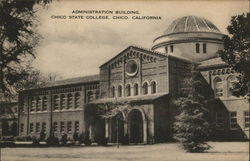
[[221, 151]]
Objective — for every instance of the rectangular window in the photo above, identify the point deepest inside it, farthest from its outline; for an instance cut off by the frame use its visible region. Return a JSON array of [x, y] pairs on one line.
[[204, 48], [171, 48], [33, 105], [22, 128], [247, 119], [44, 126], [62, 127], [38, 127], [219, 120], [69, 126], [76, 126], [233, 120], [55, 126], [45, 103], [31, 127]]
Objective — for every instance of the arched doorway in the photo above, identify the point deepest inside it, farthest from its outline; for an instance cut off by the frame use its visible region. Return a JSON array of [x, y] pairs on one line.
[[135, 120], [117, 128]]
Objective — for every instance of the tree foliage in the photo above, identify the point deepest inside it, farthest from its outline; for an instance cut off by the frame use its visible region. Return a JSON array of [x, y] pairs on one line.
[[18, 40], [190, 126], [236, 53]]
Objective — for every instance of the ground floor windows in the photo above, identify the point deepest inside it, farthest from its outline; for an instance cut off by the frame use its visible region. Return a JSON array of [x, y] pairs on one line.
[[76, 126], [247, 119], [69, 126], [22, 128], [55, 127], [233, 120], [31, 127], [62, 127], [38, 127]]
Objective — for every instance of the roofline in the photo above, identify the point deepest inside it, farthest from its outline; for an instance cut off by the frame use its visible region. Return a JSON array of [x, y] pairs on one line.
[[186, 33], [134, 47], [67, 84]]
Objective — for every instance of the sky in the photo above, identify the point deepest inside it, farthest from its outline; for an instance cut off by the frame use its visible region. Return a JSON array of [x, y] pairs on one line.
[[77, 47]]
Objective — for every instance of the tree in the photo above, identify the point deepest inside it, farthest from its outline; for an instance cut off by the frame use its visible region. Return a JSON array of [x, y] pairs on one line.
[[18, 39], [236, 53], [190, 126]]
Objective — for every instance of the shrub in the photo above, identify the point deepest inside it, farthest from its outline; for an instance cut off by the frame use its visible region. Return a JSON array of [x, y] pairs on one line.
[[86, 139], [42, 135], [76, 137], [125, 140], [35, 141], [52, 140], [64, 139], [102, 141]]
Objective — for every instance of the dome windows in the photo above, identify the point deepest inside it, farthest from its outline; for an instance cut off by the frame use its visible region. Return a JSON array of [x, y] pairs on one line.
[[171, 50], [197, 45], [204, 48]]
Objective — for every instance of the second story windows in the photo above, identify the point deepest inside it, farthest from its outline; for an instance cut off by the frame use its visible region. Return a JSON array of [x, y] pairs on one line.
[[218, 87], [136, 89], [77, 100], [45, 104], [128, 90], [145, 88], [119, 91], [70, 101], [153, 87], [56, 101], [112, 91]]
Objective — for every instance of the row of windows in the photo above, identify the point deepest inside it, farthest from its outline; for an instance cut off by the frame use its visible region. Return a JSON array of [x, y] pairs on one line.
[[204, 48], [218, 86], [59, 102], [233, 120], [35, 127], [66, 101], [66, 126], [129, 91]]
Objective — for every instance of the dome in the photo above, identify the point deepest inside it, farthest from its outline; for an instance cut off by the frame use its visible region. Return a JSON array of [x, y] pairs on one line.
[[191, 24]]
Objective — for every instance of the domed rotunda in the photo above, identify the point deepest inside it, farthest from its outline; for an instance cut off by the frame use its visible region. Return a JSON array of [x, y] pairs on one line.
[[190, 37]]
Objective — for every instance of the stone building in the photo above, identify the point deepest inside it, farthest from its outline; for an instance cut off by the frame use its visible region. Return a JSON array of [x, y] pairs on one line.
[[143, 81]]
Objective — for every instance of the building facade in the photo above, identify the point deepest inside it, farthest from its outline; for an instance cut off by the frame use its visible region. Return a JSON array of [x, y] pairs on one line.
[[142, 81]]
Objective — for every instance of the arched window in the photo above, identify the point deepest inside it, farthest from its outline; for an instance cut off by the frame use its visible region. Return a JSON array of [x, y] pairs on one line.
[[197, 46], [204, 48], [218, 87], [45, 104], [38, 104], [77, 100], [153, 87], [119, 91], [136, 89], [231, 80], [145, 88], [70, 101], [128, 90], [171, 48], [63, 102], [112, 90], [56, 102]]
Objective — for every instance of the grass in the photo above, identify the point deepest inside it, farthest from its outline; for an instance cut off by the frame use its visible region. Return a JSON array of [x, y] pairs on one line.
[[221, 151]]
